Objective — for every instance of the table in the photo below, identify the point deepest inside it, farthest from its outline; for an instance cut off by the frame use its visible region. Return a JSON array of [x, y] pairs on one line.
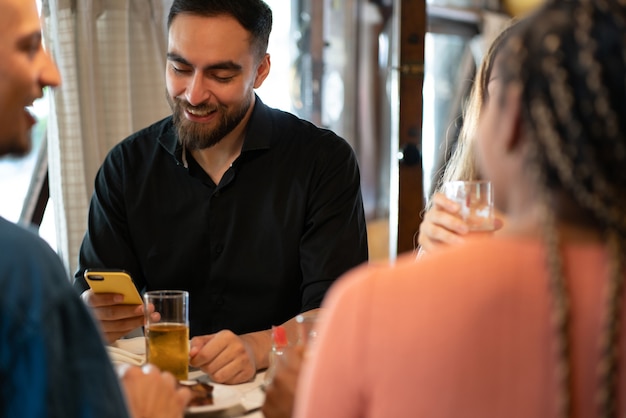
[[251, 394], [132, 351]]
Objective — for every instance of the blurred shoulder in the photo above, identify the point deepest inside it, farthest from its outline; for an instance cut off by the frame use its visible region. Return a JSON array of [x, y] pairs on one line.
[[17, 242], [488, 258], [27, 261]]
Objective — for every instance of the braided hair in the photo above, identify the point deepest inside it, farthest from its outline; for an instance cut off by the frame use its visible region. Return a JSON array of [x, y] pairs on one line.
[[569, 58]]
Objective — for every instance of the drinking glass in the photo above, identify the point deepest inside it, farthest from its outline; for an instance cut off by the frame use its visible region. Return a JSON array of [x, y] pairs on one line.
[[476, 200], [280, 345], [307, 332], [167, 339]]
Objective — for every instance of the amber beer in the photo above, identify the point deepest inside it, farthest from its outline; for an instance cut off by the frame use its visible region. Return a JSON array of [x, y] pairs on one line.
[[167, 334], [167, 347]]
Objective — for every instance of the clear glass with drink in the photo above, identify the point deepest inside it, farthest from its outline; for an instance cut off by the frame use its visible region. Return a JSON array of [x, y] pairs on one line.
[[167, 339], [307, 331], [476, 200]]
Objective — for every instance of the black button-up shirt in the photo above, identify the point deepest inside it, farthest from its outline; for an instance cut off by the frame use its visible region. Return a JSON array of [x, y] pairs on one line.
[[254, 250]]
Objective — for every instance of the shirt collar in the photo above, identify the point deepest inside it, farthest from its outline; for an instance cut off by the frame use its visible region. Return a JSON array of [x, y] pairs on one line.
[[259, 129]]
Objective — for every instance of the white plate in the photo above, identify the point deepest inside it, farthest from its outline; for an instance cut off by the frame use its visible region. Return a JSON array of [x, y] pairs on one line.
[[224, 397]]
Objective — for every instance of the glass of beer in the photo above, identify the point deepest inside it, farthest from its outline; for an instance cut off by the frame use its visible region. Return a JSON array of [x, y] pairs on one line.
[[167, 338]]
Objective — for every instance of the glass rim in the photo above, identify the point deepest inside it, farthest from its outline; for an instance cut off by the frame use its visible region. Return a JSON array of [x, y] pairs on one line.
[[167, 293], [307, 316], [467, 182]]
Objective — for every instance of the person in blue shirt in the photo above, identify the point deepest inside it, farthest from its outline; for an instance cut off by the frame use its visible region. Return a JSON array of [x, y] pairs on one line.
[[52, 358]]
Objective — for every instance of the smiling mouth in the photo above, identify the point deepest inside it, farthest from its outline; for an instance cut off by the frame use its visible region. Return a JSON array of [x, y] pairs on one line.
[[200, 112], [30, 114]]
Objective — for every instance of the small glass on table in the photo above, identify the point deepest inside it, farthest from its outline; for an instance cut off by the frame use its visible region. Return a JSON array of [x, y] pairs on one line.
[[307, 330], [167, 338]]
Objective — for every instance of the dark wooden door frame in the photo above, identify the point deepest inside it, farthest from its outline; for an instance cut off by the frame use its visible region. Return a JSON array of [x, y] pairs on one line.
[[411, 78]]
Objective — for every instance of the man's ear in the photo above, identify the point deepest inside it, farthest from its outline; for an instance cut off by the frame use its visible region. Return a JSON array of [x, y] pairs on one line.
[[262, 71], [512, 117]]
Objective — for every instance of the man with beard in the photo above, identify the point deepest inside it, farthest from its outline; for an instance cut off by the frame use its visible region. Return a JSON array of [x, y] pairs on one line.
[[253, 211]]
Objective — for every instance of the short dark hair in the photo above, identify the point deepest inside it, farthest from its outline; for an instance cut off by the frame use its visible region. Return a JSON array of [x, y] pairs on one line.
[[254, 15]]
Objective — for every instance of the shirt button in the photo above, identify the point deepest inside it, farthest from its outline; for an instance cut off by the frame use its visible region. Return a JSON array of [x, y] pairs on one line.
[[219, 248], [216, 194]]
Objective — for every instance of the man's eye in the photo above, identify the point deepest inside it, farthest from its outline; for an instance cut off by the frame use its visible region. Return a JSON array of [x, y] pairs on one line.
[[222, 79], [34, 48], [31, 47], [179, 70]]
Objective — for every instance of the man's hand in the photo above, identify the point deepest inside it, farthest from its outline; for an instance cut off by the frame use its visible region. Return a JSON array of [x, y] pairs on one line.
[[228, 358], [116, 320], [151, 393]]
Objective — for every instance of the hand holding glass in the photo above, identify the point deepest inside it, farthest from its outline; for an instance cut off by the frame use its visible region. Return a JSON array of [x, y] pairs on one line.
[[167, 339], [476, 200]]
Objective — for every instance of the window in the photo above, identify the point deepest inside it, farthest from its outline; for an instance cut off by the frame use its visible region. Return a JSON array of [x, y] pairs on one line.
[[449, 71], [19, 178], [275, 91], [16, 172]]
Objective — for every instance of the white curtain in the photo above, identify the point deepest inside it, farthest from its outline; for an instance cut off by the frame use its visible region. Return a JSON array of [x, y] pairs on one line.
[[111, 54]]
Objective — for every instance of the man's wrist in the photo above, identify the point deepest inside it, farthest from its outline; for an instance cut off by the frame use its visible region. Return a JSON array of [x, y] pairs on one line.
[[258, 345]]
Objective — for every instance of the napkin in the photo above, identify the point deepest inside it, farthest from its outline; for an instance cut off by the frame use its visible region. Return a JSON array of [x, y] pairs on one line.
[[128, 351]]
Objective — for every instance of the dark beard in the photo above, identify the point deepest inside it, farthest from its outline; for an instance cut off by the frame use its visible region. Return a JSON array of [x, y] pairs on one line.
[[197, 136]]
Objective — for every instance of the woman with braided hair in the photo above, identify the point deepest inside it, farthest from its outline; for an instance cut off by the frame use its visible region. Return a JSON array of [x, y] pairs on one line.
[[529, 322]]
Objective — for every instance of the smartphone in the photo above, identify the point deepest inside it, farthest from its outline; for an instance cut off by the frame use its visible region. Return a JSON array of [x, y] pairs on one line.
[[113, 281]]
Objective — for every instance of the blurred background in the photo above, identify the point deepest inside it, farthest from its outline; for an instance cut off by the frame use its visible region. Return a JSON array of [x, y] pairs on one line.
[[389, 76]]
